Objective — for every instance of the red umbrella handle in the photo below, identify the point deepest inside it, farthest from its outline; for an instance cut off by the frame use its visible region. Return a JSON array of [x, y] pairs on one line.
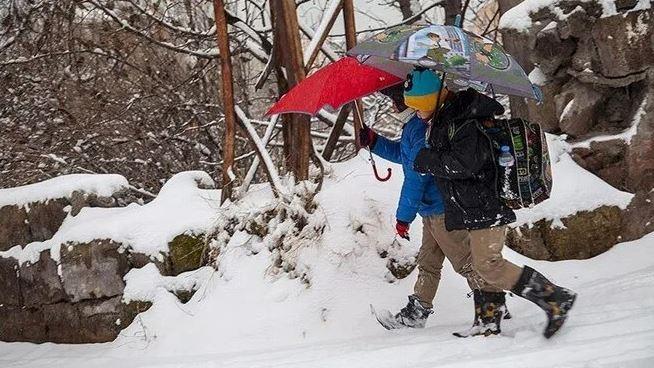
[[388, 176], [372, 160]]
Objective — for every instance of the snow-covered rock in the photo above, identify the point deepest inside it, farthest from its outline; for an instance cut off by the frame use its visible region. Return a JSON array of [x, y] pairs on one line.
[[35, 212], [68, 287]]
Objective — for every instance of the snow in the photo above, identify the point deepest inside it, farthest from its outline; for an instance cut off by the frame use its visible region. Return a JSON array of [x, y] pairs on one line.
[[245, 315], [518, 17], [634, 33], [147, 284], [574, 189], [180, 207], [566, 110], [63, 186], [537, 77]]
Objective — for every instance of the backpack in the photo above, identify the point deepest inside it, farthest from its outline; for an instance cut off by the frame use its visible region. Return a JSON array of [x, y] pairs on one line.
[[529, 180]]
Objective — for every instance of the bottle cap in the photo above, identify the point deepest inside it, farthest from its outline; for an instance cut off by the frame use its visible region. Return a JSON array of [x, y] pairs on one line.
[[505, 148]]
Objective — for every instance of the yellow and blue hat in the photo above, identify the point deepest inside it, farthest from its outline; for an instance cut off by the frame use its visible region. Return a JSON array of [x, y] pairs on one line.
[[421, 89]]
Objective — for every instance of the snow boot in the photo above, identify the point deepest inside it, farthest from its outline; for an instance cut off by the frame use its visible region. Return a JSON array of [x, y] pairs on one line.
[[414, 315], [556, 301], [490, 309]]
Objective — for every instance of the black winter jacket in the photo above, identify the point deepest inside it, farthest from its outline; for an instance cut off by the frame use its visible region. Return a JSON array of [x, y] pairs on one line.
[[461, 157]]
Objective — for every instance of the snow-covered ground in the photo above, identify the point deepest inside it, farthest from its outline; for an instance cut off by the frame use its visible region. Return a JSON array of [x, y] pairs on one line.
[[243, 316]]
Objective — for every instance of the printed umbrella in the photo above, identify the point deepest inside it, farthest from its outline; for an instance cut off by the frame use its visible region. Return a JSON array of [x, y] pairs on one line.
[[468, 59], [337, 84]]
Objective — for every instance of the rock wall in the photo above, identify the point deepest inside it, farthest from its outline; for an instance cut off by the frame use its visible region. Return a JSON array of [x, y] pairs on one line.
[[38, 221], [79, 299], [597, 76]]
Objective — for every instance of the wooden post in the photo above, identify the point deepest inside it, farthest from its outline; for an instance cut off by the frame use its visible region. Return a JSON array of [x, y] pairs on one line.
[[337, 129], [228, 99], [350, 42], [297, 129]]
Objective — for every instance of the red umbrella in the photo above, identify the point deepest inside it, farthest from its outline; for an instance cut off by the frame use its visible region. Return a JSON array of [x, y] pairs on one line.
[[334, 85]]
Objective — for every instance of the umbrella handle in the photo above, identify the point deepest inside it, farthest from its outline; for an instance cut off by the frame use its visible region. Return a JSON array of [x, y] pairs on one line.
[[388, 176], [372, 160]]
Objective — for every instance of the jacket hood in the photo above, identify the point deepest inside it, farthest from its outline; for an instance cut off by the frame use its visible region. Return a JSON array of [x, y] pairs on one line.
[[470, 104]]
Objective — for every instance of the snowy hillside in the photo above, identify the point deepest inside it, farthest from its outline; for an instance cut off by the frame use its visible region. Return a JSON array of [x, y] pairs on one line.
[[244, 316]]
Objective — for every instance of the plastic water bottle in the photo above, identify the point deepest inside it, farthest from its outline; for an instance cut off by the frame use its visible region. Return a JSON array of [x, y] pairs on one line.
[[506, 159]]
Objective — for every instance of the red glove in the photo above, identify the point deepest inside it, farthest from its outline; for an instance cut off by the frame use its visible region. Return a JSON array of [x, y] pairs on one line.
[[402, 229]]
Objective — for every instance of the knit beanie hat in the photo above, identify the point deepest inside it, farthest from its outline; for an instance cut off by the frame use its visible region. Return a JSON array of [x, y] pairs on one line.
[[421, 89]]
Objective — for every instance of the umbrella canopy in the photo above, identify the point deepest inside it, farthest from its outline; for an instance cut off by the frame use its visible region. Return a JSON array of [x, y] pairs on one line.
[[469, 60], [337, 84]]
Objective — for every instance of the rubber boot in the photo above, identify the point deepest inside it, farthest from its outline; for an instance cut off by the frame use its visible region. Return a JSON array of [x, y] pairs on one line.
[[556, 301], [490, 309]]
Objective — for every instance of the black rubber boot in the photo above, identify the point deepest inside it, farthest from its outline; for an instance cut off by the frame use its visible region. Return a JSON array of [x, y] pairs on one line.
[[490, 309], [556, 301], [414, 315]]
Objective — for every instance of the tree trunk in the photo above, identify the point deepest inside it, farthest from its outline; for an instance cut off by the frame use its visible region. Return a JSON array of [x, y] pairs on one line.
[[228, 99], [296, 128], [350, 42], [452, 9], [408, 8]]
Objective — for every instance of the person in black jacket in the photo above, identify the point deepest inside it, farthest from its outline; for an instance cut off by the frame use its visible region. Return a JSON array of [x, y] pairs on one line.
[[461, 158]]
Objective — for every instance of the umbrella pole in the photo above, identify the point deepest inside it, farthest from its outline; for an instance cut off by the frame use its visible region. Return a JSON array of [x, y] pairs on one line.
[[438, 97], [438, 107], [372, 160]]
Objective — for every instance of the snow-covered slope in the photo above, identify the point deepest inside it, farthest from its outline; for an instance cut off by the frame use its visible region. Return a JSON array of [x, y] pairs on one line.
[[242, 316]]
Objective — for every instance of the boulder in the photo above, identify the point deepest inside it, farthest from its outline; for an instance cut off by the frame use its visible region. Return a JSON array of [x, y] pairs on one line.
[[639, 216], [9, 283], [40, 283], [576, 107], [12, 227], [84, 305], [604, 159], [545, 113], [624, 43], [551, 51], [640, 155], [579, 237], [39, 221], [186, 253], [93, 270], [19, 323], [89, 321], [44, 218]]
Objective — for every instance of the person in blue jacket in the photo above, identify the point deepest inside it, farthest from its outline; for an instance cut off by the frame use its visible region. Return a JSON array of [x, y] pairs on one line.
[[421, 196]]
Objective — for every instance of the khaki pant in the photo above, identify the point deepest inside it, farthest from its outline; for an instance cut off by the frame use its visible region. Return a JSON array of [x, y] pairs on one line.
[[486, 248], [438, 243]]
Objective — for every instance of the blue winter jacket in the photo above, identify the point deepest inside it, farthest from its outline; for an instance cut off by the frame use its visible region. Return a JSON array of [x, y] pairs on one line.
[[419, 192]]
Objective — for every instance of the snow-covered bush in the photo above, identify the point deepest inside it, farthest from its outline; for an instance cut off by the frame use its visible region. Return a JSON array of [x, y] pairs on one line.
[[283, 225]]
